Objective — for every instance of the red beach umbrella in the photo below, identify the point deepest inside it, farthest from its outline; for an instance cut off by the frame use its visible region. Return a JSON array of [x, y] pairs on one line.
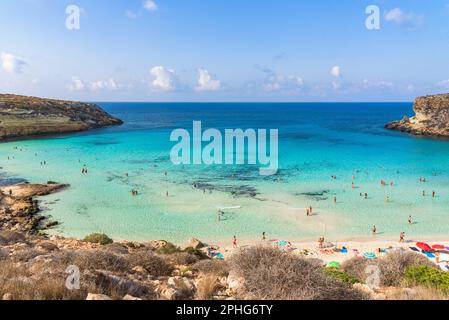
[[438, 247], [423, 246]]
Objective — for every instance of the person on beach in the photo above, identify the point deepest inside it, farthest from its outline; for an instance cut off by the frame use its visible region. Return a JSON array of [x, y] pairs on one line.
[[310, 210], [402, 237], [264, 236], [234, 242], [374, 230], [307, 212], [335, 200], [321, 242]]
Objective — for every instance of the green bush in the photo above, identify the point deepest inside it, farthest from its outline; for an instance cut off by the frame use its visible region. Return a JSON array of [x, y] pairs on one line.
[[428, 277], [342, 276], [100, 238], [169, 248]]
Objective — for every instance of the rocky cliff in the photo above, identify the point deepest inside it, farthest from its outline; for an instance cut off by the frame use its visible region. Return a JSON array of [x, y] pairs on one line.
[[22, 116], [431, 117]]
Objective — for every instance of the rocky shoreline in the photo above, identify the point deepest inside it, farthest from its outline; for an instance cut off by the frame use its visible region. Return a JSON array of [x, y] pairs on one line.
[[22, 117], [431, 117]]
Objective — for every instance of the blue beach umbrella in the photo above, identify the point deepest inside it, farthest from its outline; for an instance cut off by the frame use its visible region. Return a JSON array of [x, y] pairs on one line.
[[369, 255]]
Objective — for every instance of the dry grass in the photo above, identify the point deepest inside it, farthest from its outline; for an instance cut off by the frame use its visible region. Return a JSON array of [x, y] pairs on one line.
[[417, 293], [272, 274], [213, 267], [20, 284], [207, 286]]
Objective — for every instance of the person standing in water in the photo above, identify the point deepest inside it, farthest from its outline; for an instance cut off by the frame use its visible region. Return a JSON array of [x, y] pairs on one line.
[[234, 242], [264, 236], [410, 221], [402, 237], [374, 230]]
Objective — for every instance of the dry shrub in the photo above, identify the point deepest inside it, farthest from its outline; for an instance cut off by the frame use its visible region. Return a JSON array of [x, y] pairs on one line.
[[153, 264], [269, 273], [11, 237], [394, 265], [213, 267], [97, 260], [356, 267], [181, 258], [207, 286]]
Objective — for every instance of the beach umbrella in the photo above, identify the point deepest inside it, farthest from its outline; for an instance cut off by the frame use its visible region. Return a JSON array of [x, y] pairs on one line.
[[438, 247], [424, 246], [333, 264], [369, 255], [282, 243]]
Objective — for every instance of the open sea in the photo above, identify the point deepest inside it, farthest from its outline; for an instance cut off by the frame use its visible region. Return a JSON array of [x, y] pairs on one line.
[[316, 141]]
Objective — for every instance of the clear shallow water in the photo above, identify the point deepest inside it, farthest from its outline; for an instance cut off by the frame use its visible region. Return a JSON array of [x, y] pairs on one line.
[[316, 141]]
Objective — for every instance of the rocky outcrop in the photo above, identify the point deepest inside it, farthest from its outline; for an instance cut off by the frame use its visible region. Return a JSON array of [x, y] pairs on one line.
[[22, 116], [19, 211], [431, 117]]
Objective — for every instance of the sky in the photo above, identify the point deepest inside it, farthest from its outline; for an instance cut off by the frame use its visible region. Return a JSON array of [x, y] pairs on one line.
[[224, 50]]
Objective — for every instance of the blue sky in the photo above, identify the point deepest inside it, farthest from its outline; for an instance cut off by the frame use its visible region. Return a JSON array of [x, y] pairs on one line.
[[224, 50]]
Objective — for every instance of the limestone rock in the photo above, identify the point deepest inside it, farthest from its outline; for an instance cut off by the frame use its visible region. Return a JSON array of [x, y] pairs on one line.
[[431, 117], [94, 296]]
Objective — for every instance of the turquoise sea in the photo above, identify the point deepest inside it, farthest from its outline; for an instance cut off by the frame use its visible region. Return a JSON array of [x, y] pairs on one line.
[[316, 141]]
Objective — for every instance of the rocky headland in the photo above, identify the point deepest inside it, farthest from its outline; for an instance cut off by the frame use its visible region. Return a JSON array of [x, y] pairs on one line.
[[22, 116], [431, 117]]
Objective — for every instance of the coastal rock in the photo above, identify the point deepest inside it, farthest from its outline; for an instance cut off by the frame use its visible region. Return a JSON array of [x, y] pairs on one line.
[[196, 244], [22, 116], [122, 285], [93, 296], [130, 297], [431, 117]]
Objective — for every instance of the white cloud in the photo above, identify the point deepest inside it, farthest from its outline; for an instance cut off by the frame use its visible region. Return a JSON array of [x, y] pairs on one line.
[[206, 82], [409, 21], [336, 71], [131, 14], [279, 82], [11, 63], [150, 5], [164, 79], [109, 84], [76, 85]]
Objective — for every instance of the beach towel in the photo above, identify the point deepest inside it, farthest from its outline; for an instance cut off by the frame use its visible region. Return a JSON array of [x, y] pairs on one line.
[[429, 255], [414, 249]]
